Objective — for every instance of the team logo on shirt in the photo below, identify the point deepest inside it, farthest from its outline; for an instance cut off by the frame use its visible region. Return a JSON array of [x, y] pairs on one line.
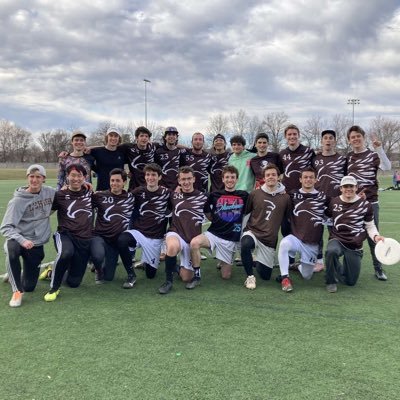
[[301, 163], [353, 219], [312, 206], [196, 209], [362, 171], [87, 203], [229, 208], [270, 207]]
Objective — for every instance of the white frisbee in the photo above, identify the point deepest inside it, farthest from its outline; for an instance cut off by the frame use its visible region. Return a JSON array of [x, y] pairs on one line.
[[388, 251]]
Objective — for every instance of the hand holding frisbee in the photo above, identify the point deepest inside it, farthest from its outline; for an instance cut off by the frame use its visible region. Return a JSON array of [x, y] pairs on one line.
[[387, 251]]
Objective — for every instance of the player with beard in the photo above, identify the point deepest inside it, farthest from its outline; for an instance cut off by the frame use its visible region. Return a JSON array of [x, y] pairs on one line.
[[199, 160], [168, 158], [74, 231], [363, 164], [263, 158], [114, 208], [267, 207], [353, 220], [225, 209], [186, 223], [221, 157], [306, 226], [149, 225]]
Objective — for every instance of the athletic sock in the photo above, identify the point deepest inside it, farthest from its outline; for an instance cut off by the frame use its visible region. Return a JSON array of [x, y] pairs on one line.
[[197, 273], [170, 267]]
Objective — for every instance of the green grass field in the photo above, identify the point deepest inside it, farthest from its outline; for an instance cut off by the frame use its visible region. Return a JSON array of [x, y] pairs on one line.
[[219, 341]]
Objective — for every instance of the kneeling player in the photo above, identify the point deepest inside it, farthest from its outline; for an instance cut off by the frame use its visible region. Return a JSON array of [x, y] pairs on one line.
[[306, 226], [225, 210], [149, 224], [187, 217]]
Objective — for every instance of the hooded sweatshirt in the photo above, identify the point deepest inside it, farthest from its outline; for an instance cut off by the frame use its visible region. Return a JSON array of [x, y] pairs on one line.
[[27, 216], [267, 209]]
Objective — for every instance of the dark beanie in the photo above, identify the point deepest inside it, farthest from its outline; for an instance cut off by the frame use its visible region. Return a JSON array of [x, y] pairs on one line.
[[328, 131], [219, 136]]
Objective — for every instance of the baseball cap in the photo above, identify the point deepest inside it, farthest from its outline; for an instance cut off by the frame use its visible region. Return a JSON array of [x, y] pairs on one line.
[[348, 180], [113, 130], [171, 129], [78, 133], [36, 167], [219, 136], [328, 131]]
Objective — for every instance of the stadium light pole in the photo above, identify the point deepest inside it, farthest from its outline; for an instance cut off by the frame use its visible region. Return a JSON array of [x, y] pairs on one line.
[[146, 81], [353, 102]]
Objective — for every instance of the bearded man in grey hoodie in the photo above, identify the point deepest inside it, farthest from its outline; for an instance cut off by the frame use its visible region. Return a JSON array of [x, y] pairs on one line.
[[26, 227]]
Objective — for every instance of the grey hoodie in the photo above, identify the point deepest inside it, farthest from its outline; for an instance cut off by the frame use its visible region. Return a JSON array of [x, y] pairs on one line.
[[27, 216]]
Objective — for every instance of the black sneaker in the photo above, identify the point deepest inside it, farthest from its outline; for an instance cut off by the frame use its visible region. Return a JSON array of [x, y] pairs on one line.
[[193, 283], [99, 277], [380, 275], [130, 282], [165, 287]]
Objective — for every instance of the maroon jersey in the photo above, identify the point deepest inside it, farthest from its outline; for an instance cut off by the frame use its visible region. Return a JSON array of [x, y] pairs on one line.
[[364, 167], [258, 163], [187, 214], [169, 161], [330, 170], [113, 213], [74, 212], [349, 221], [137, 159], [201, 164], [218, 163], [293, 162], [267, 211], [151, 209], [307, 215]]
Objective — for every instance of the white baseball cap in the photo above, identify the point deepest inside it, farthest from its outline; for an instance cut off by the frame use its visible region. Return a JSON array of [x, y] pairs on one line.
[[348, 180], [36, 167]]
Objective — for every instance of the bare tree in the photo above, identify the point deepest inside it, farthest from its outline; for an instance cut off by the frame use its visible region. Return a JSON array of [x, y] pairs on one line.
[[388, 132], [53, 142], [274, 124], [218, 124], [6, 127], [96, 137], [340, 124], [240, 123], [21, 140], [312, 131]]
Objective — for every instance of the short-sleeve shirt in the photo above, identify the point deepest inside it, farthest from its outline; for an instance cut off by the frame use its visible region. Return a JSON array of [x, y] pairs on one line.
[[187, 214], [113, 213], [227, 211], [293, 162], [330, 170]]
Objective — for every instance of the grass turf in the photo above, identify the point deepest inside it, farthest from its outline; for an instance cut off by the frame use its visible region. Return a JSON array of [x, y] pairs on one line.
[[219, 341]]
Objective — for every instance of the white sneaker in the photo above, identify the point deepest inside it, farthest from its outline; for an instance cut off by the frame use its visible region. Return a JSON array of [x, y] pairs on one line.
[[16, 299], [250, 282]]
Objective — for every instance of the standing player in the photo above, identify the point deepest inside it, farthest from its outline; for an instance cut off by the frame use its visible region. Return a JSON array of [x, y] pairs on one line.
[[199, 160], [168, 158], [78, 141], [26, 228], [138, 155], [108, 158], [263, 158], [225, 209], [114, 208], [149, 225], [240, 159], [363, 164], [74, 231], [187, 217], [306, 226], [353, 219], [221, 157], [267, 207]]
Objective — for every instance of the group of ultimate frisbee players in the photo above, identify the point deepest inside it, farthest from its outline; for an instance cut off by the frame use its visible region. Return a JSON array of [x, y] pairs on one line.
[[180, 200]]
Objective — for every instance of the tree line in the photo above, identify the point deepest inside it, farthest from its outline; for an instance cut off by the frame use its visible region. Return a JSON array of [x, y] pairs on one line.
[[19, 145]]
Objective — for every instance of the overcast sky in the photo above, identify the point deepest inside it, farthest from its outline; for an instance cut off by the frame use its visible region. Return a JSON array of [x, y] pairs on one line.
[[70, 63]]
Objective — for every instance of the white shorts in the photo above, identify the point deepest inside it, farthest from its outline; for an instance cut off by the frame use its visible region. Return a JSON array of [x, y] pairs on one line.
[[263, 254], [185, 260], [151, 248], [224, 249], [308, 252]]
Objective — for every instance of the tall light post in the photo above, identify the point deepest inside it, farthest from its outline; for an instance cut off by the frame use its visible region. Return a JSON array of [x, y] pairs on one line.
[[353, 102], [146, 81]]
